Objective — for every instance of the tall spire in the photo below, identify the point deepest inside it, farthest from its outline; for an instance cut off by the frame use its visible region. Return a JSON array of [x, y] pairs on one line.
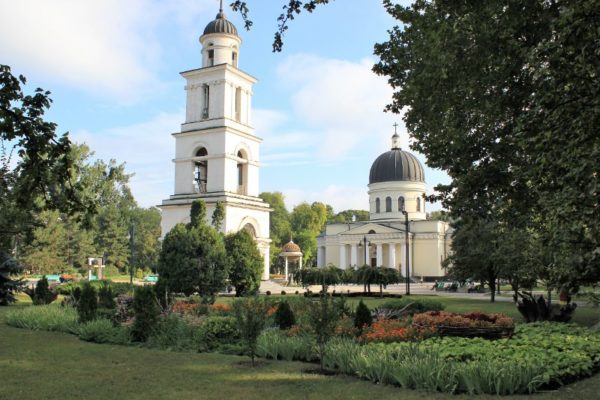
[[396, 138], [221, 7]]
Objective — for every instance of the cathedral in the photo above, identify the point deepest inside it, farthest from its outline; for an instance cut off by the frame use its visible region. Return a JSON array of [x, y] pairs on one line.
[[216, 150], [397, 235]]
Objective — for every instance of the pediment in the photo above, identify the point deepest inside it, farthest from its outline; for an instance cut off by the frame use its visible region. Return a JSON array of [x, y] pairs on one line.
[[365, 229]]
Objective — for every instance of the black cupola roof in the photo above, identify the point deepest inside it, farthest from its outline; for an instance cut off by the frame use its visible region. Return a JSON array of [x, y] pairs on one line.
[[220, 25], [396, 165]]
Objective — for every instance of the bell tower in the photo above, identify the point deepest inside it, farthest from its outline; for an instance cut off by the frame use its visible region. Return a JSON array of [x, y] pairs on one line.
[[217, 150]]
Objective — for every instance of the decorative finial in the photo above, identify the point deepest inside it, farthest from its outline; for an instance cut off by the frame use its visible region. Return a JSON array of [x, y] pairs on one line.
[[396, 138]]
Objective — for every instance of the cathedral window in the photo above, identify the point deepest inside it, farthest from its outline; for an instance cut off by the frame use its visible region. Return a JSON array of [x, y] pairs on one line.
[[242, 172], [205, 101], [201, 173], [377, 205], [388, 204], [401, 203], [418, 204], [234, 59], [211, 58]]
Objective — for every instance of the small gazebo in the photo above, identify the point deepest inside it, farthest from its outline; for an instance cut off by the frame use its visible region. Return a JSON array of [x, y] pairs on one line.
[[291, 252]]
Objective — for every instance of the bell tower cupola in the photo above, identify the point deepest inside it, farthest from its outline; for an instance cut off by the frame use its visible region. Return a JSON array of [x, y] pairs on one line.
[[220, 42]]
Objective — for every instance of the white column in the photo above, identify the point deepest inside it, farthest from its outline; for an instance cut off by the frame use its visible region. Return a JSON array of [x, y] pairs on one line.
[[392, 251], [267, 260], [411, 259], [300, 263], [379, 254], [286, 268], [342, 256], [320, 256], [403, 258], [354, 256]]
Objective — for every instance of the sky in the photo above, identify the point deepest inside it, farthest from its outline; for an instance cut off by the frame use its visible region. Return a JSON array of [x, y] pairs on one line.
[[113, 69]]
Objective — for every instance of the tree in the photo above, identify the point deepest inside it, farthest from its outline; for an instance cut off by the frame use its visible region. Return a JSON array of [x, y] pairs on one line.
[[245, 263], [349, 216], [475, 245], [504, 97], [46, 252], [40, 179], [42, 294], [362, 316], [323, 316], [279, 224], [251, 318], [87, 304], [218, 215], [193, 257], [147, 312], [284, 316], [9, 267]]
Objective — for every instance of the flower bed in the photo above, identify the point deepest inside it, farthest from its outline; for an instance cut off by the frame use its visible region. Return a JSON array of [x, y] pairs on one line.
[[389, 331], [476, 324]]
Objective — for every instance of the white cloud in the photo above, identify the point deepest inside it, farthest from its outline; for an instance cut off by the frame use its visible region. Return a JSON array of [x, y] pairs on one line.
[[147, 148], [107, 47]]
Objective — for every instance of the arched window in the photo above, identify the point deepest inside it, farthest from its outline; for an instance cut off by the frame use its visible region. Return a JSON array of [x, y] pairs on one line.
[[418, 204], [211, 58], [242, 169], [377, 205], [234, 59], [388, 204], [401, 203], [250, 229], [201, 173]]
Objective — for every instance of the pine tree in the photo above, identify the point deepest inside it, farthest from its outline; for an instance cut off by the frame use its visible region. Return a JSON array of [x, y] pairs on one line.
[[218, 216], [146, 311], [88, 303], [362, 316], [284, 316]]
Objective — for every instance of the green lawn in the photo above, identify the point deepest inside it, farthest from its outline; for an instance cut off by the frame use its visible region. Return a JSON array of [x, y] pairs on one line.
[[47, 365]]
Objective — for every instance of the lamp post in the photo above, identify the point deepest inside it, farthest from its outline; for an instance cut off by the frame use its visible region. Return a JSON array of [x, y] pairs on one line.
[[131, 249], [365, 244], [406, 252]]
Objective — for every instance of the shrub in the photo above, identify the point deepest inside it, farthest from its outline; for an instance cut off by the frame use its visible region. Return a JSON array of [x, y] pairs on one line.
[[268, 293], [362, 316], [172, 333], [216, 330], [44, 318], [283, 293], [284, 316], [42, 294], [103, 331], [273, 343], [251, 318], [146, 311], [87, 304], [106, 297], [322, 318]]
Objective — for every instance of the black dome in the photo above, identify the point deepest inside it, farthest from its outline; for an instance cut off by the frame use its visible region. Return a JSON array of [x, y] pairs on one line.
[[220, 25], [396, 165]]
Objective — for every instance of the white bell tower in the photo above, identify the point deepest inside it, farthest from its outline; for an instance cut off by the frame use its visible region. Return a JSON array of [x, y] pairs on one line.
[[216, 151]]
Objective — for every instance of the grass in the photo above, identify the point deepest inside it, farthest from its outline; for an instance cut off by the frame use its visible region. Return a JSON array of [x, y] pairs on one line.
[[50, 365]]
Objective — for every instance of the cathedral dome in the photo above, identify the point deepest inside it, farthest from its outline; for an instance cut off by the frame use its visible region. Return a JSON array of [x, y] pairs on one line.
[[396, 165], [220, 25]]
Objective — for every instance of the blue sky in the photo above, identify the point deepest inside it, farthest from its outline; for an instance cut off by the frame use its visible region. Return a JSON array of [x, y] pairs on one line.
[[113, 69]]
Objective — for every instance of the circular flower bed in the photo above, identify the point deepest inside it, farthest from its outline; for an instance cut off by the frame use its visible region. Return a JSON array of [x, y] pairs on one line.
[[475, 324]]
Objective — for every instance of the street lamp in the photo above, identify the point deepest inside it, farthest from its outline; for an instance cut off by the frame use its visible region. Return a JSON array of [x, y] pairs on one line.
[[131, 255], [406, 251]]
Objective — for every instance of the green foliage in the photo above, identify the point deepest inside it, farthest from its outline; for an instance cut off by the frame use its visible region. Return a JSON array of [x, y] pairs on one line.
[[279, 224], [193, 258], [197, 213], [218, 216], [9, 267], [251, 318], [42, 294], [87, 304], [106, 296], [362, 316], [44, 318], [465, 73], [173, 333], [216, 330], [327, 276], [245, 263], [117, 288], [284, 316], [275, 344], [146, 312], [323, 316], [103, 331]]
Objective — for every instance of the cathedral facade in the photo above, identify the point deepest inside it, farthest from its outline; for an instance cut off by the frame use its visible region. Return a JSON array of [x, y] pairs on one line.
[[397, 234], [216, 150]]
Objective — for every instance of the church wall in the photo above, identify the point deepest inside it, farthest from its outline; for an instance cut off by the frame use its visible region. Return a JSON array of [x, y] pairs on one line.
[[427, 257], [409, 190], [238, 216]]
